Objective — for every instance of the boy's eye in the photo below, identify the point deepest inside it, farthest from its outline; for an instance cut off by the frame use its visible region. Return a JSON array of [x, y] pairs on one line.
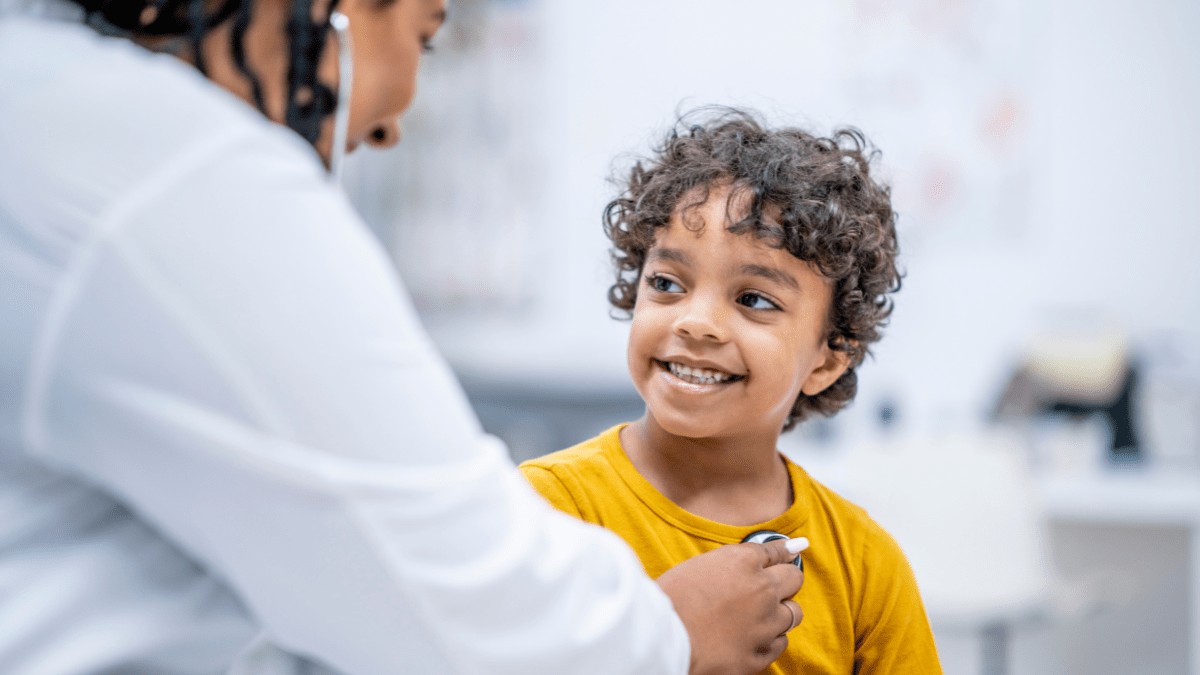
[[663, 284], [756, 301]]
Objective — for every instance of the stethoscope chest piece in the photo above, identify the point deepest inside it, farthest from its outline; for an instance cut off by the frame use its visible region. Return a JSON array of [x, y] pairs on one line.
[[763, 536]]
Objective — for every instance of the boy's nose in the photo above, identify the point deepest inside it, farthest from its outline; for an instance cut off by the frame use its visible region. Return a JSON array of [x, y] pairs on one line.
[[702, 319]]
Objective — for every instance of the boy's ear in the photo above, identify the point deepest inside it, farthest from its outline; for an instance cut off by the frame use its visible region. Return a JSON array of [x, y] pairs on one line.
[[827, 372]]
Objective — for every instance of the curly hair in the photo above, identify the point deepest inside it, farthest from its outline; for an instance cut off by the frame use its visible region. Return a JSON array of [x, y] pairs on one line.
[[827, 210]]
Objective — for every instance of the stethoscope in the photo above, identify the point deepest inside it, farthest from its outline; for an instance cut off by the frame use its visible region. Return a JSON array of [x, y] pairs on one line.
[[763, 536], [341, 116]]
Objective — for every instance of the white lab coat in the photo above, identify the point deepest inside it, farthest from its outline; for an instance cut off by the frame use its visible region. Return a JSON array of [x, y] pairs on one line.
[[223, 433]]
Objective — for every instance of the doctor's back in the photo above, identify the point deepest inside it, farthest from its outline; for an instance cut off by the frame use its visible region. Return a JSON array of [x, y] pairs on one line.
[[85, 585], [199, 339]]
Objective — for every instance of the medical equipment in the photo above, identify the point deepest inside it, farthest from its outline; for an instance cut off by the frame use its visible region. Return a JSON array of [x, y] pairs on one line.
[[340, 24], [763, 536]]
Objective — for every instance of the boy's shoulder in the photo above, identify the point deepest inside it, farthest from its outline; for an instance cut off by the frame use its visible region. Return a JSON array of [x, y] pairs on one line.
[[828, 500], [590, 455], [568, 477], [849, 522]]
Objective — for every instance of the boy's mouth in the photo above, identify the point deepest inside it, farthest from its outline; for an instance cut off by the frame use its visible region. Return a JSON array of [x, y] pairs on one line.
[[698, 375]]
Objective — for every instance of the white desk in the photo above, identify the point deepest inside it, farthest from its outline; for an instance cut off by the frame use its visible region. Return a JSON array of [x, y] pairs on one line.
[[1130, 497], [1135, 497]]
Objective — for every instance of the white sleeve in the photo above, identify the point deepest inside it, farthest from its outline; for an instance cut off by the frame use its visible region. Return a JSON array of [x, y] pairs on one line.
[[232, 356]]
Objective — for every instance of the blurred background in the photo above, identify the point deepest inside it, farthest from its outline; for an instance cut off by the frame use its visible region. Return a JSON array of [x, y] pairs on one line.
[[1029, 427]]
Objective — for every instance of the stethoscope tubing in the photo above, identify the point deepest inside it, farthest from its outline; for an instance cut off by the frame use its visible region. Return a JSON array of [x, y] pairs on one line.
[[340, 24]]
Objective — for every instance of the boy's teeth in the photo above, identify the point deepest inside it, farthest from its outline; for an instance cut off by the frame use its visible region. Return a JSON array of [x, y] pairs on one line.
[[697, 375]]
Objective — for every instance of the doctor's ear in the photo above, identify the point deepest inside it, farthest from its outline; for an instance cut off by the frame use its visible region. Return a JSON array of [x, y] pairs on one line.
[[834, 362]]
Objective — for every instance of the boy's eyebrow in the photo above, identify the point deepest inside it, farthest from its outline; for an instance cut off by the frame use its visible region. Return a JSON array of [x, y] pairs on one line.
[[669, 254], [774, 274]]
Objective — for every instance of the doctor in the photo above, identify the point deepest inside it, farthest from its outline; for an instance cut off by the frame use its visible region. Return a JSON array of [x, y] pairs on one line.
[[225, 442]]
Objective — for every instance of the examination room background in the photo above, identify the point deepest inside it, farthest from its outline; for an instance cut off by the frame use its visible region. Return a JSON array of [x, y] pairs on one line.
[[1043, 157]]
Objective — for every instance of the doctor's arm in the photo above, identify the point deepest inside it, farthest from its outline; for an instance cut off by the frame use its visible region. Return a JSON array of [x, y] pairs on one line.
[[247, 375]]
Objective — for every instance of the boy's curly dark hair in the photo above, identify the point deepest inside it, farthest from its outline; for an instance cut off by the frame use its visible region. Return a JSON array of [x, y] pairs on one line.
[[830, 211]]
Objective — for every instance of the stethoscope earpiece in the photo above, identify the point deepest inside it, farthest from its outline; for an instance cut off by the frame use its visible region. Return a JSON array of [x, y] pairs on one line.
[[763, 536]]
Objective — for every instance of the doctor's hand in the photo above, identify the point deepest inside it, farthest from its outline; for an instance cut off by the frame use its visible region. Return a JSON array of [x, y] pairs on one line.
[[731, 601]]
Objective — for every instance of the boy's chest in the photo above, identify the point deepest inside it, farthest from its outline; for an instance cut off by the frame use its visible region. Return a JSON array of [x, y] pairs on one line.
[[824, 641]]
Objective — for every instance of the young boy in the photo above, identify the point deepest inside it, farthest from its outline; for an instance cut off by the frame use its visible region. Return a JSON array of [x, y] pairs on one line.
[[757, 265]]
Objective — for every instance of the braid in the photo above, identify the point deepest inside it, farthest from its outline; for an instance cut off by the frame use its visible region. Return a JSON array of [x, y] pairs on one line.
[[309, 101], [238, 39], [197, 26], [164, 20], [156, 18]]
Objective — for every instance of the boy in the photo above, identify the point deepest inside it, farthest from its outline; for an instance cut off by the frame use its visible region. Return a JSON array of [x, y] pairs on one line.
[[757, 265]]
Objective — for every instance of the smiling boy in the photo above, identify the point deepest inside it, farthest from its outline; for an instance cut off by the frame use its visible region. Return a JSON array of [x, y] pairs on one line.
[[758, 266]]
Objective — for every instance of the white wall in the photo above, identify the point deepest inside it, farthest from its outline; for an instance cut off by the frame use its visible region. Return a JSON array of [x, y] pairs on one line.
[[1082, 199]]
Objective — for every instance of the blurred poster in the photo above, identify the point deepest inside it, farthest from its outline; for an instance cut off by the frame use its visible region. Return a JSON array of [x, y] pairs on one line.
[[963, 74]]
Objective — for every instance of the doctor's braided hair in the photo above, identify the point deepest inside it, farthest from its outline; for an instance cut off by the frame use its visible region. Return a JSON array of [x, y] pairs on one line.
[[309, 101], [827, 210]]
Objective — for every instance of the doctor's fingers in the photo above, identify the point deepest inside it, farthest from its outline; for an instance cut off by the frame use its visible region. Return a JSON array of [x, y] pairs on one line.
[[769, 652], [780, 551], [787, 578], [792, 615]]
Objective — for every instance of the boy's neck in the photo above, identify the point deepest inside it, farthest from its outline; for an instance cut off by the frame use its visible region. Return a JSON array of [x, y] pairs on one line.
[[740, 480]]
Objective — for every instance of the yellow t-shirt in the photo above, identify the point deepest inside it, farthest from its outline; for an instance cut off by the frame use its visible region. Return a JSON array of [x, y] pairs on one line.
[[862, 611]]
